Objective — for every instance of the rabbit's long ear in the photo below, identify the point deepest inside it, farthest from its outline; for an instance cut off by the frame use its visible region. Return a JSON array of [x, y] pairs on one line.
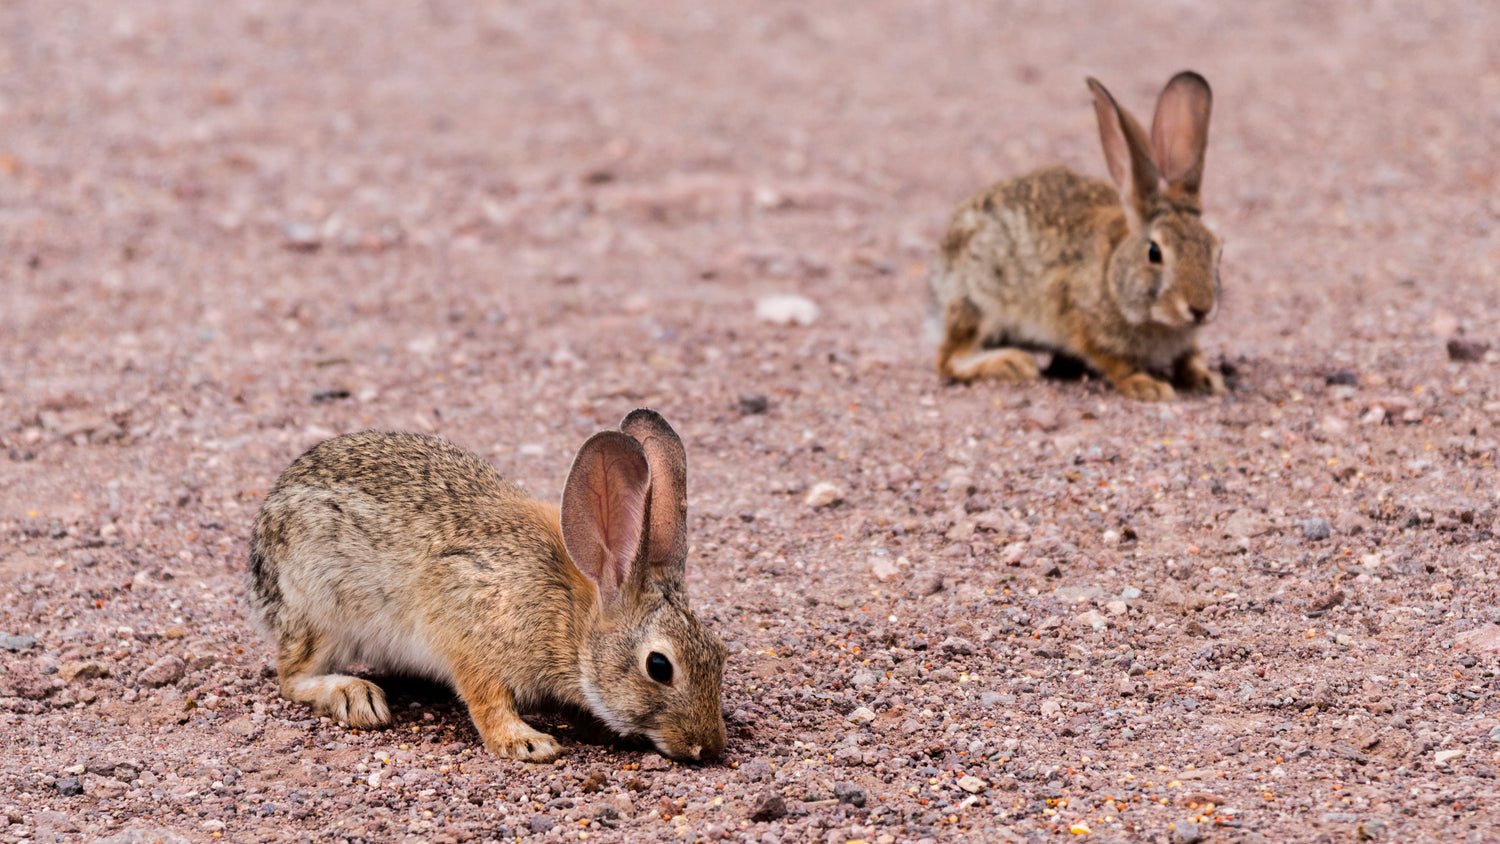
[[1179, 132], [666, 538], [1127, 150], [604, 509]]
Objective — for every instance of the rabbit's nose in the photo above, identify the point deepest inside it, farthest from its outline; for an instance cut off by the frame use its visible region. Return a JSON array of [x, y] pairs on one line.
[[1199, 314]]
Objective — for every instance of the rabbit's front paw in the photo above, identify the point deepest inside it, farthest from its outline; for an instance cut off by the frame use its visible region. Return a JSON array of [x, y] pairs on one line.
[[518, 740], [1211, 382], [1143, 387], [1192, 373]]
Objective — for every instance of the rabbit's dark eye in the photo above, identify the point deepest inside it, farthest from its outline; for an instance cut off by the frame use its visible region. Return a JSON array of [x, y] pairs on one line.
[[660, 668], [1153, 253]]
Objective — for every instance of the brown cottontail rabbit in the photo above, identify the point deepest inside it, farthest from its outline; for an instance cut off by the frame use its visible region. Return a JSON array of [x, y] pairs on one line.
[[409, 554], [1118, 276]]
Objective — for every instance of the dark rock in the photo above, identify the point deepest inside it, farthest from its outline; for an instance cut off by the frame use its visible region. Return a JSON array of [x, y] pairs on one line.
[[1465, 350], [1342, 378], [69, 786], [849, 793], [593, 782], [753, 404], [540, 824], [325, 396], [770, 808]]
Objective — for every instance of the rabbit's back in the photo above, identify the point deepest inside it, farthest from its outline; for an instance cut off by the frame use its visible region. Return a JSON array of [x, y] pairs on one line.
[[373, 538], [1020, 251]]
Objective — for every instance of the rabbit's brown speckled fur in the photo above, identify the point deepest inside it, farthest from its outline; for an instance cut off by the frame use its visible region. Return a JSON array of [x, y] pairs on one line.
[[1119, 276], [410, 554]]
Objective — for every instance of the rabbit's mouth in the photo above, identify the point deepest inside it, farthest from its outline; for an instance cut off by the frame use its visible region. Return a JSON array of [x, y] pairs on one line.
[[1177, 312], [692, 745]]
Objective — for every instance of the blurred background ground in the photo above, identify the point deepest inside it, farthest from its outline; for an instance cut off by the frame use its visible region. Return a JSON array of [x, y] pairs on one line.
[[230, 231]]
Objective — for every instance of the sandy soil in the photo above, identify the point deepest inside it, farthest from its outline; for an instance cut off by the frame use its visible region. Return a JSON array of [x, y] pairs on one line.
[[1035, 613]]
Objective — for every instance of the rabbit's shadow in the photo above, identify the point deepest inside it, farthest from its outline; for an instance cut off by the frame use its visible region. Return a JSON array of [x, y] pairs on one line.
[[413, 699]]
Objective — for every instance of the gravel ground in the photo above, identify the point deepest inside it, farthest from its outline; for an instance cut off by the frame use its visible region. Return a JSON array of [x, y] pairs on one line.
[[998, 613]]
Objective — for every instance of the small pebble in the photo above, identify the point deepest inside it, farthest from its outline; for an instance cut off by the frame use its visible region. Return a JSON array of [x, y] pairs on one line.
[[1316, 529], [756, 770], [971, 784], [1186, 833], [167, 670], [69, 786], [539, 824], [771, 807], [301, 237], [593, 782], [957, 646], [17, 643], [787, 309], [753, 404], [926, 583], [1092, 619], [73, 671], [1465, 350], [849, 794], [824, 494], [883, 569]]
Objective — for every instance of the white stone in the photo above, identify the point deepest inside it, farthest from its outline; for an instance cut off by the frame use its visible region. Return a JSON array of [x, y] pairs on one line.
[[1093, 619], [971, 784], [824, 494], [787, 309]]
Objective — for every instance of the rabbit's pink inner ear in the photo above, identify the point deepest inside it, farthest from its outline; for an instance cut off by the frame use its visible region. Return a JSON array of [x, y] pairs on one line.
[[667, 539], [1179, 131], [604, 507]]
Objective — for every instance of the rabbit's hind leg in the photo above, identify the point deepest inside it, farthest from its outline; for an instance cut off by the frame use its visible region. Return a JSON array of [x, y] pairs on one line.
[[303, 660], [1014, 365], [963, 358]]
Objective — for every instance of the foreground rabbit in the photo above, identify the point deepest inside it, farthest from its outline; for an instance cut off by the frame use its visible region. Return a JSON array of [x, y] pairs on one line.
[[406, 553], [1118, 276]]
